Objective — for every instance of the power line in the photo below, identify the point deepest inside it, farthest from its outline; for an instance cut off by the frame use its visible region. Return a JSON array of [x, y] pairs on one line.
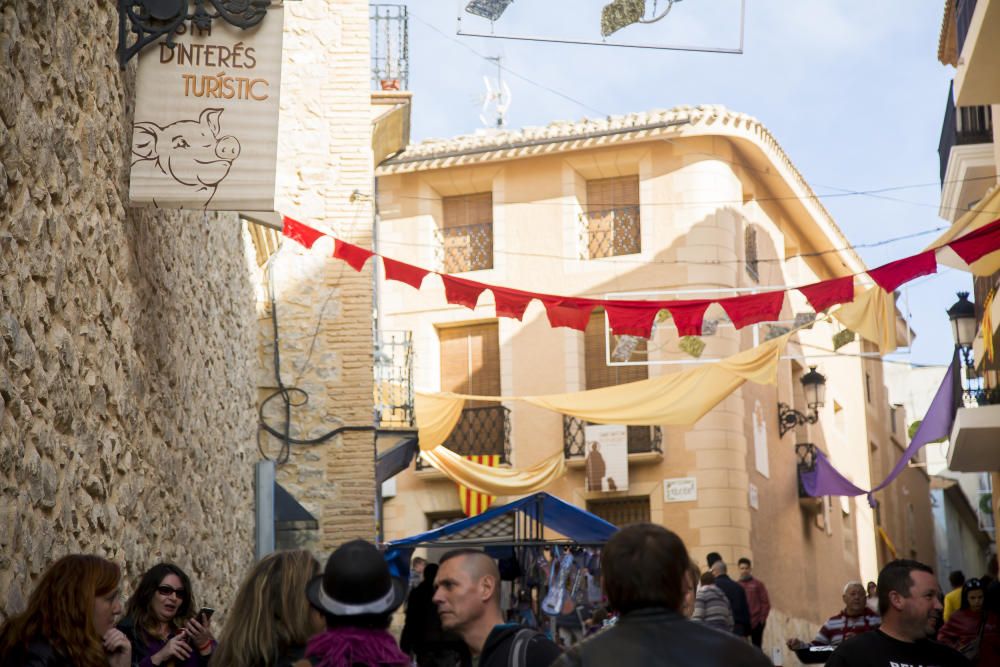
[[845, 192]]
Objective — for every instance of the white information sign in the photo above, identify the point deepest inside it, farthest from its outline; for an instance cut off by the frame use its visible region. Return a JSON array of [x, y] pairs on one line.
[[680, 489], [205, 133], [754, 498], [607, 457]]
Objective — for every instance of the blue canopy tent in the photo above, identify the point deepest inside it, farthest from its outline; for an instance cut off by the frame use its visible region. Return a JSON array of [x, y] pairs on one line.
[[532, 515]]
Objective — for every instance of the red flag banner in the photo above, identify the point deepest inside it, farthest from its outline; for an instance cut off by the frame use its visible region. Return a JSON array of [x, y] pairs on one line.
[[571, 313], [892, 275], [753, 308], [976, 245], [632, 320], [829, 293], [403, 272], [688, 316], [510, 303], [461, 292], [354, 255], [300, 232], [473, 502]]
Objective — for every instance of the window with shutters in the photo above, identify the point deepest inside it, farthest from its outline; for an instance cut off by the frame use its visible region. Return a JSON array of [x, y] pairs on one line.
[[598, 375], [470, 364], [610, 225], [466, 233], [750, 253], [621, 511]]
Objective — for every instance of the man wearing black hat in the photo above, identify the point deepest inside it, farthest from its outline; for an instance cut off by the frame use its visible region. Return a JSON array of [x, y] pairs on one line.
[[467, 595], [357, 595]]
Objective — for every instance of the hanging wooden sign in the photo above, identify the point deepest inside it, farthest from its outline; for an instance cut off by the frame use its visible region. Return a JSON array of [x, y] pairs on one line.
[[205, 133]]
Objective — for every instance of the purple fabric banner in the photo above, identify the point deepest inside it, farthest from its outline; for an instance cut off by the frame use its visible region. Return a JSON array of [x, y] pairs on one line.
[[825, 480]]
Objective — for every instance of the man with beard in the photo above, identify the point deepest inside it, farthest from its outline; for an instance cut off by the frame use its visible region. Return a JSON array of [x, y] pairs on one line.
[[908, 598]]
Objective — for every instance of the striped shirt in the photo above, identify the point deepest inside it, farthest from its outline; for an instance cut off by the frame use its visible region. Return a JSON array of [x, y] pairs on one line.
[[841, 627], [711, 607]]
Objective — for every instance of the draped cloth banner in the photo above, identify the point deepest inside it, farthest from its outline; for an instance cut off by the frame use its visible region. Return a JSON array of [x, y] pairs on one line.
[[677, 399], [825, 480], [873, 315]]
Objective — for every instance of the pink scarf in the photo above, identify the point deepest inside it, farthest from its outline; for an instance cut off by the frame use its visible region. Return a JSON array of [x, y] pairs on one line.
[[346, 646]]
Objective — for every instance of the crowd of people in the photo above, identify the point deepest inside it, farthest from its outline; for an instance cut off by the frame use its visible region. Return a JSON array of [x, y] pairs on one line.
[[660, 610]]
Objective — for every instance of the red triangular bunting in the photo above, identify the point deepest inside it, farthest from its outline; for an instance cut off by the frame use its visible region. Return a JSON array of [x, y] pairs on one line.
[[403, 272], [510, 303], [631, 320], [892, 275], [300, 232], [978, 244], [354, 255], [688, 316], [753, 308], [461, 292], [828, 293], [570, 313]]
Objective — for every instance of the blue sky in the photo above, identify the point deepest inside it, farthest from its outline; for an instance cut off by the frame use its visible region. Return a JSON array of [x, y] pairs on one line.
[[852, 91]]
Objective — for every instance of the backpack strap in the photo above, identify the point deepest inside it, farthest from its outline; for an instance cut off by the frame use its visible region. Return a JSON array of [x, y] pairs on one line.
[[518, 656]]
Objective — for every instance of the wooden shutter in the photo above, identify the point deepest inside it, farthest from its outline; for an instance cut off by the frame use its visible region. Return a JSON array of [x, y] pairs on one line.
[[470, 360], [621, 511]]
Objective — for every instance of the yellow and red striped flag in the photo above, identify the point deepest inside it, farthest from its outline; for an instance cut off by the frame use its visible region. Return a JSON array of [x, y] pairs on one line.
[[473, 502]]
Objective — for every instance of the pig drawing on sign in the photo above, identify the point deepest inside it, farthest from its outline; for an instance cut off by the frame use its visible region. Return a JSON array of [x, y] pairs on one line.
[[190, 152]]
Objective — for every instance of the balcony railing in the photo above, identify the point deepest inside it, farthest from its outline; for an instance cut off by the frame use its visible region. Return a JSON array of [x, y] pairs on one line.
[[480, 431], [466, 247], [611, 232], [962, 126], [964, 9], [805, 454], [641, 439]]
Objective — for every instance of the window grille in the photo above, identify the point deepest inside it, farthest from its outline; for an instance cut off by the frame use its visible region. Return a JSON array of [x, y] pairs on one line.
[[621, 511], [750, 254], [466, 233], [611, 225]]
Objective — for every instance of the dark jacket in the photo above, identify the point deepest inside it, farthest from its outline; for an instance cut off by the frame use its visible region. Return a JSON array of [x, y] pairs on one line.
[[496, 650], [738, 601], [39, 653], [144, 647], [662, 637]]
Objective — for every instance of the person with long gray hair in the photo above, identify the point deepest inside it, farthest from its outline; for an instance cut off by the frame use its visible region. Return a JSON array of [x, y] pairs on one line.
[[271, 619]]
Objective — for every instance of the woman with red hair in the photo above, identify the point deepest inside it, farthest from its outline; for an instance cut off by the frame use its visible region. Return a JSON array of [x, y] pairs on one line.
[[70, 618]]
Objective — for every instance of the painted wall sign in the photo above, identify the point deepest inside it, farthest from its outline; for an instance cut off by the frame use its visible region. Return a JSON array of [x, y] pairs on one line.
[[680, 490], [205, 134], [607, 457]]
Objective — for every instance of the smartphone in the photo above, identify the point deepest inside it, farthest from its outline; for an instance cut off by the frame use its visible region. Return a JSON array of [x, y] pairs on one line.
[[204, 614]]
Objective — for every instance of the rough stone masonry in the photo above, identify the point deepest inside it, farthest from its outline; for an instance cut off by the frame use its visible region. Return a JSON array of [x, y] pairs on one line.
[[127, 336]]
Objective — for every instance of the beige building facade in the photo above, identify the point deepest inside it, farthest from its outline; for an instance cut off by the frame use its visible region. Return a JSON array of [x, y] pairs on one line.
[[692, 201]]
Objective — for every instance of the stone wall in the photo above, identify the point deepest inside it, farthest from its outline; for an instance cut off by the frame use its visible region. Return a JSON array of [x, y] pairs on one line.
[[126, 336], [324, 307]]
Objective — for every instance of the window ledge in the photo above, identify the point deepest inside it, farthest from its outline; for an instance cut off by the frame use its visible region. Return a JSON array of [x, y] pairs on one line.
[[638, 458]]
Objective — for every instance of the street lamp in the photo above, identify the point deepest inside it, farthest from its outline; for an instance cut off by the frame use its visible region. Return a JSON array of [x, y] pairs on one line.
[[963, 325], [814, 386]]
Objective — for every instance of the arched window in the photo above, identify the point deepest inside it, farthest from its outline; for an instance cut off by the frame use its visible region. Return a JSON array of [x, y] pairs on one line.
[[750, 253]]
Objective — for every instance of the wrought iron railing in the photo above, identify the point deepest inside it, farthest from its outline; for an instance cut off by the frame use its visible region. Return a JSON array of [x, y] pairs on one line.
[[390, 46], [480, 431], [962, 126], [466, 247], [964, 9], [610, 232], [641, 439]]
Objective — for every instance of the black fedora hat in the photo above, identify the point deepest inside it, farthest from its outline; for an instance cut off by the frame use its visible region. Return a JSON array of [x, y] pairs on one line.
[[356, 581]]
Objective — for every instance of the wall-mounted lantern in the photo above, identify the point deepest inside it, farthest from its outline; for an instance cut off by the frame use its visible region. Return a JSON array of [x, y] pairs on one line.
[[814, 386], [963, 326]]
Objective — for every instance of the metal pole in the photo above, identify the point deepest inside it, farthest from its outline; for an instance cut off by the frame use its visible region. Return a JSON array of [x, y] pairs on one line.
[[264, 507]]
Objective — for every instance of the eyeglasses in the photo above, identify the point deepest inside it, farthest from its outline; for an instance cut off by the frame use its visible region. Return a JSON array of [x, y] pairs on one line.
[[167, 591]]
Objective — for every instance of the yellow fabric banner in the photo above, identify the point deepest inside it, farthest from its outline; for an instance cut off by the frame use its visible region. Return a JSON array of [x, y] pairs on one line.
[[873, 315], [496, 481], [679, 398]]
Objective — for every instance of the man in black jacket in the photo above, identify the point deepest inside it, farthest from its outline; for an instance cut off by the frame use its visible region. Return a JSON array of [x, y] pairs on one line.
[[643, 567], [467, 595], [737, 599]]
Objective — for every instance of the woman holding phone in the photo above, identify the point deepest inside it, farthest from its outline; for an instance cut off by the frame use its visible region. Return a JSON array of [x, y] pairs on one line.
[[161, 623], [70, 618]]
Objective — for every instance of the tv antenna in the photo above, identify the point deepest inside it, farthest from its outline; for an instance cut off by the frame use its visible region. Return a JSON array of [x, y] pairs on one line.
[[497, 96]]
